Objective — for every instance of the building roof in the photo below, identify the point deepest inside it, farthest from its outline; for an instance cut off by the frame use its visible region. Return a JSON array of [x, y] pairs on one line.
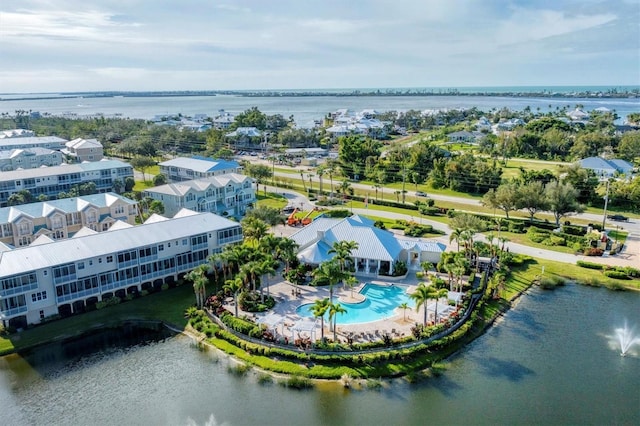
[[251, 132], [182, 188], [201, 164], [62, 169], [13, 153], [71, 250], [80, 143], [65, 205], [614, 165], [32, 140]]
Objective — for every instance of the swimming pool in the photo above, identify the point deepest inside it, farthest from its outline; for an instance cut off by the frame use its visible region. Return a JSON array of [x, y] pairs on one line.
[[380, 303]]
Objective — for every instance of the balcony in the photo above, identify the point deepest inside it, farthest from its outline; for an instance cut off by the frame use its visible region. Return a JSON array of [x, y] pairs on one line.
[[17, 290]]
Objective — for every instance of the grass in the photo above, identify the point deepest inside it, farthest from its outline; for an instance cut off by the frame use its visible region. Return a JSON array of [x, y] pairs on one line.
[[276, 201], [524, 240], [619, 236], [167, 306]]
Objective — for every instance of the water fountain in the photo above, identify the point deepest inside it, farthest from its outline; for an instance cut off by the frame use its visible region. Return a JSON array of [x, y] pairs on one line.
[[626, 339]]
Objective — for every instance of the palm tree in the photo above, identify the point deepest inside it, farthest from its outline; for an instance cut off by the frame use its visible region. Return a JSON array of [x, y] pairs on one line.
[[286, 250], [304, 185], [234, 286], [198, 276], [334, 310], [421, 296], [404, 306], [342, 251], [426, 266], [320, 171], [328, 273], [319, 308], [267, 269], [253, 229], [437, 294], [456, 235], [350, 282]]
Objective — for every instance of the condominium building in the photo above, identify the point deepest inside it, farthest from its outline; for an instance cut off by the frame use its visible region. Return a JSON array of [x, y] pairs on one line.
[[50, 142], [181, 169], [68, 276], [51, 181], [58, 219], [227, 195], [28, 158], [84, 150]]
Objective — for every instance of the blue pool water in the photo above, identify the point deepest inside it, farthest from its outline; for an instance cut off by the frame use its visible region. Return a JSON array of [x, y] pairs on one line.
[[380, 303]]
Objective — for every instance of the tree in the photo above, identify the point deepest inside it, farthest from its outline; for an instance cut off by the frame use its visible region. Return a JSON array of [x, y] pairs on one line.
[[404, 306], [505, 198], [328, 273], [342, 252], [129, 183], [234, 286], [267, 269], [198, 276], [563, 200], [629, 147], [156, 207], [159, 179], [334, 310], [319, 309], [533, 198], [467, 222], [260, 172], [142, 164], [421, 296], [253, 229]]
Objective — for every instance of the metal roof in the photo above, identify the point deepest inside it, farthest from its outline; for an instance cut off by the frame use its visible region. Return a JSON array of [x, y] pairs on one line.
[[25, 259], [182, 188], [65, 205], [64, 169], [201, 164]]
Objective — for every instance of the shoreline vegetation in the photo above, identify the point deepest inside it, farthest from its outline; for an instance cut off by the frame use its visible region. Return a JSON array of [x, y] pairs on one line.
[[168, 307], [620, 91]]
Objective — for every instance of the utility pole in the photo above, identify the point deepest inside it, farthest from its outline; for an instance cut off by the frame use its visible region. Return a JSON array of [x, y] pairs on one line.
[[606, 201]]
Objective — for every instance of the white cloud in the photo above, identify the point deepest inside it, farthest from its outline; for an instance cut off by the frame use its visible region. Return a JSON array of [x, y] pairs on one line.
[[257, 44]]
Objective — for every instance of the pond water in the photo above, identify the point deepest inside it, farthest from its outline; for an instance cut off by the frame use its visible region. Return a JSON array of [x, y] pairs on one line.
[[552, 359]]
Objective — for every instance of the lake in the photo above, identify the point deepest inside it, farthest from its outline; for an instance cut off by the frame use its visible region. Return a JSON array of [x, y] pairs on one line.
[[549, 360]]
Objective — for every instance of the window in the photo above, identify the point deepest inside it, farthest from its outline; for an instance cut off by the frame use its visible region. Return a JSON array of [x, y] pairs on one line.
[[99, 260], [109, 259], [36, 297], [90, 262], [160, 247], [80, 265]]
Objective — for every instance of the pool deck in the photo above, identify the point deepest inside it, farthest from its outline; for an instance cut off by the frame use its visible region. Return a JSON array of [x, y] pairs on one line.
[[289, 297]]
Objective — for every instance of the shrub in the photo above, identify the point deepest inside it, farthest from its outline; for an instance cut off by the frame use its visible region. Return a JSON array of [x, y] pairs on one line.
[[615, 286], [297, 382], [574, 230], [165, 287], [593, 251], [239, 369], [592, 282], [589, 265], [617, 275], [549, 283], [112, 301]]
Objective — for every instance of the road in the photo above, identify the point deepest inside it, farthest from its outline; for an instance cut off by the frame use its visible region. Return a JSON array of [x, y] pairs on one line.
[[632, 225], [630, 256]]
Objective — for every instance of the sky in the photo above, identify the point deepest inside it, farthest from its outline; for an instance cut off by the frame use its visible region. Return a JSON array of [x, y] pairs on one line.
[[136, 45]]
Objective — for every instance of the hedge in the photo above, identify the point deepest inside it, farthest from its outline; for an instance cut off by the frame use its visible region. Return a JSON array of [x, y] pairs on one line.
[[617, 275], [589, 265]]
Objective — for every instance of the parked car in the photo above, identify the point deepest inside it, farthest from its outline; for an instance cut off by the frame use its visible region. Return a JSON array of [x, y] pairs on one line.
[[618, 218], [421, 194]]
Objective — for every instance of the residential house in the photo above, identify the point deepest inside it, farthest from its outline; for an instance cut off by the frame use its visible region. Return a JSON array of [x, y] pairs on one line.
[[197, 167], [607, 168], [227, 195], [58, 219], [377, 250], [29, 158], [223, 120], [16, 133], [65, 277], [51, 181]]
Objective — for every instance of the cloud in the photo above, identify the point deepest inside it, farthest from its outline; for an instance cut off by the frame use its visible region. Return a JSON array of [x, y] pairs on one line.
[[281, 44]]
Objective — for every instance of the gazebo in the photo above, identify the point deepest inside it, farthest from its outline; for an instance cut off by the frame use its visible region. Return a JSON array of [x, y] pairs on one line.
[[304, 325], [272, 321]]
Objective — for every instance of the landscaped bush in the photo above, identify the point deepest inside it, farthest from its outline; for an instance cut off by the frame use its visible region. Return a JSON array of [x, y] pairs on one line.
[[339, 214], [252, 302], [617, 275], [554, 241], [593, 251], [112, 301], [589, 265], [552, 282], [574, 230]]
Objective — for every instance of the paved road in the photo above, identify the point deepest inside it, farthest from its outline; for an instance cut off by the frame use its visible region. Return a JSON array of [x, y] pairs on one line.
[[630, 256], [632, 226]]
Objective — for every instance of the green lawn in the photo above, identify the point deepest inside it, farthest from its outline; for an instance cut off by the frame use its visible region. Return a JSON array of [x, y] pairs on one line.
[[524, 240], [276, 201], [167, 306]]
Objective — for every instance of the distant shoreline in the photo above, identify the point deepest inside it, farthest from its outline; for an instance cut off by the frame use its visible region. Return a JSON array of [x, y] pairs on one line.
[[610, 93]]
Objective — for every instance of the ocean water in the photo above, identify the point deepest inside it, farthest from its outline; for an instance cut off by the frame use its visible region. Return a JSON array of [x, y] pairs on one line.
[[304, 109]]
